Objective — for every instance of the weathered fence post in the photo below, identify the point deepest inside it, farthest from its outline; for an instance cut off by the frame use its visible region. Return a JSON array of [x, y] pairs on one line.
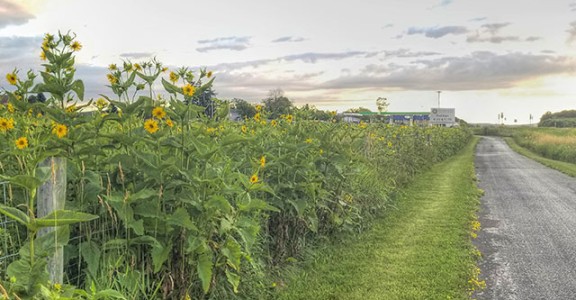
[[51, 197]]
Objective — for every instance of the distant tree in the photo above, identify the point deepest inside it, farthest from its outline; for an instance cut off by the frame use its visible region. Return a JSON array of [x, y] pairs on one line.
[[243, 108], [277, 104], [310, 112], [382, 104], [358, 110]]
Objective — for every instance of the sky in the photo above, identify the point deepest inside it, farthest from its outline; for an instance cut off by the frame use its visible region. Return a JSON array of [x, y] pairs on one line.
[[515, 57]]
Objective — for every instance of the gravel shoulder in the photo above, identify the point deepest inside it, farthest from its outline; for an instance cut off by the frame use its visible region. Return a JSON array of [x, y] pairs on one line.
[[528, 217]]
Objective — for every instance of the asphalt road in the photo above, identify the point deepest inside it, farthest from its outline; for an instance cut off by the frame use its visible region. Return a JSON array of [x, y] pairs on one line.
[[528, 235]]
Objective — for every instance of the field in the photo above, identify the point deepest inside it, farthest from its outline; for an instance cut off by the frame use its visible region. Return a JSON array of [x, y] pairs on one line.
[[163, 201]]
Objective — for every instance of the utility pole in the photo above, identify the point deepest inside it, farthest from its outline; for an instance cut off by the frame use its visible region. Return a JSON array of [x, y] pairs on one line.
[[439, 98]]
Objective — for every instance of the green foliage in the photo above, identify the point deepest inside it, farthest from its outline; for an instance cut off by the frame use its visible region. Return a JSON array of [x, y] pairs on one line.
[[243, 108], [191, 205]]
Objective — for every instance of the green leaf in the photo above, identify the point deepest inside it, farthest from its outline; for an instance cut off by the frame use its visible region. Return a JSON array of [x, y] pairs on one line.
[[170, 88], [181, 218], [25, 181], [78, 88], [15, 214], [91, 255], [160, 255], [107, 294], [233, 253], [219, 203], [204, 269], [63, 217], [233, 279], [142, 194]]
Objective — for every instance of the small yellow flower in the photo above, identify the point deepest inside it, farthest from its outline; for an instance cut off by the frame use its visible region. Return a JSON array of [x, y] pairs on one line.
[[210, 130], [151, 125], [164, 69], [43, 55], [209, 74], [127, 67], [58, 287], [112, 67], [101, 103], [158, 112], [258, 107], [138, 67], [273, 123], [21, 143], [76, 46], [169, 123], [362, 124], [308, 141], [70, 109], [188, 90], [112, 79], [174, 77], [389, 144], [254, 179], [60, 130], [12, 78], [263, 122], [6, 124], [321, 151], [262, 161], [289, 118], [244, 129], [257, 117]]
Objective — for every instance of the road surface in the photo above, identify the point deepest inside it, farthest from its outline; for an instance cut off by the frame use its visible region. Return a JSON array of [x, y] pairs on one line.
[[528, 217]]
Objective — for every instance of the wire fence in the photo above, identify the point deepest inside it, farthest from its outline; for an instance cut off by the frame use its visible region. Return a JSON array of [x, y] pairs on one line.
[[10, 234]]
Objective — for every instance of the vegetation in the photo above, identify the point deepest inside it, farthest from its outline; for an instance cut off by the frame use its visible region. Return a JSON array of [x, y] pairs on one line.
[[421, 250], [564, 167], [565, 118], [189, 205]]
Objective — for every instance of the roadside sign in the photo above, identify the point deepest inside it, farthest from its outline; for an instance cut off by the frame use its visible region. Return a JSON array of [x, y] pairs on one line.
[[442, 116]]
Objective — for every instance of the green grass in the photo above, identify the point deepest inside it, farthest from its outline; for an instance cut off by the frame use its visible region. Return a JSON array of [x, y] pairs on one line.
[[420, 250], [564, 167]]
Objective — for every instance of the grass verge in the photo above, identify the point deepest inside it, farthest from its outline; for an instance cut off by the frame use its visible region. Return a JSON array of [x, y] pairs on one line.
[[420, 250], [564, 167]]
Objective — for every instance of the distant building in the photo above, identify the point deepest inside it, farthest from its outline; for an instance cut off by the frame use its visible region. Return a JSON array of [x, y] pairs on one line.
[[399, 118]]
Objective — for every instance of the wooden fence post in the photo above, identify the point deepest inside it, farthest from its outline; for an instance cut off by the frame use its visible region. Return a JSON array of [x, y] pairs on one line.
[[52, 196]]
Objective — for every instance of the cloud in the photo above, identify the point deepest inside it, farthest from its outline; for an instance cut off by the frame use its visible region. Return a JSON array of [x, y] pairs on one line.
[[489, 33], [571, 33], [572, 6], [292, 39], [445, 2], [532, 38], [18, 47], [13, 14], [478, 71], [136, 55], [403, 53], [228, 43], [438, 32], [479, 19]]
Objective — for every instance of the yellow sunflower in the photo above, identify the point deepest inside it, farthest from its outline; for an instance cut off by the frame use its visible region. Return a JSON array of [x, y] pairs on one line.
[[263, 161], [10, 108], [12, 78], [244, 129], [158, 112], [6, 124], [254, 179], [151, 125], [138, 67], [174, 77], [60, 130], [188, 90], [289, 118], [112, 67], [273, 123], [112, 79], [43, 55], [76, 46], [21, 143], [169, 123]]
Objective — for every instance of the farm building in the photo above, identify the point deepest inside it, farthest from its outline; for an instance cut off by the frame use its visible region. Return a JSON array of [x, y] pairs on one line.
[[399, 118]]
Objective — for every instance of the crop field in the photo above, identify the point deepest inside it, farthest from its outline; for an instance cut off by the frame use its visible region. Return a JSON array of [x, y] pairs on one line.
[[553, 143], [165, 201]]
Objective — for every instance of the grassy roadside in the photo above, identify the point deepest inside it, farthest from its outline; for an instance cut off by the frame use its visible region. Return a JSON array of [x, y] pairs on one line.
[[564, 167], [421, 250]]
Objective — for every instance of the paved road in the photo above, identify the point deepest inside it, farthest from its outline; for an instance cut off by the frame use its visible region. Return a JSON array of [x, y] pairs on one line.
[[528, 217]]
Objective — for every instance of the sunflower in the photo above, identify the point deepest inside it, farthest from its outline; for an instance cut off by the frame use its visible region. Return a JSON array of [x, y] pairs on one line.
[[263, 161], [112, 79], [244, 129], [21, 143], [101, 103], [158, 112], [308, 141], [138, 67], [257, 117], [6, 124], [164, 69], [151, 125], [43, 55], [112, 67], [258, 107], [289, 118], [76, 46], [10, 107], [254, 179], [174, 77], [188, 90], [169, 123], [209, 74], [12, 78], [273, 123], [60, 130]]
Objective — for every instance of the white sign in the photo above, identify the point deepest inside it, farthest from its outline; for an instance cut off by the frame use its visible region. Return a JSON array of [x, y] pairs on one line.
[[442, 116]]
